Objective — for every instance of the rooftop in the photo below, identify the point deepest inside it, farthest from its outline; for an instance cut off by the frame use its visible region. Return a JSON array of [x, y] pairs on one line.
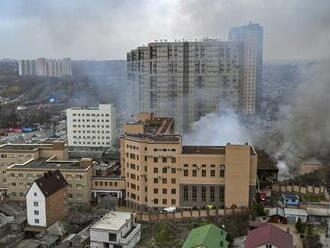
[[26, 147], [203, 150], [43, 163], [113, 220], [268, 234], [206, 236], [51, 182], [156, 138]]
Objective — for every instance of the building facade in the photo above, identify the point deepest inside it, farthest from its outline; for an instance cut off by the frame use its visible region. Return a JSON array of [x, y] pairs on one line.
[[46, 200], [45, 67], [91, 128], [160, 172], [115, 229], [188, 79], [251, 37]]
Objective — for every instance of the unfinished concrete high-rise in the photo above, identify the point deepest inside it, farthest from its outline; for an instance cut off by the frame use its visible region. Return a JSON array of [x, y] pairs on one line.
[[187, 79]]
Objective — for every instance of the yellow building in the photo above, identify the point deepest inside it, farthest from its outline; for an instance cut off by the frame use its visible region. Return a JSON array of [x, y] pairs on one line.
[[22, 164], [161, 172]]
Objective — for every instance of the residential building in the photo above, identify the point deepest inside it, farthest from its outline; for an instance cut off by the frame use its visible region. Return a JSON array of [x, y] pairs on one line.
[[208, 236], [45, 67], [46, 200], [77, 173], [115, 229], [251, 36], [188, 79], [268, 236], [160, 172], [91, 129]]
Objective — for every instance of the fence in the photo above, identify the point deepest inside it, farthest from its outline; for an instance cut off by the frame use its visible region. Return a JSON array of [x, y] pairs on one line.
[[187, 214], [306, 189]]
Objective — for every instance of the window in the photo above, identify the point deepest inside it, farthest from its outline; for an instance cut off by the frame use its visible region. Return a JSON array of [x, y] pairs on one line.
[[173, 170], [36, 212], [185, 193], [173, 160], [155, 160], [203, 173], [194, 193], [164, 191], [173, 201], [173, 191], [35, 194], [155, 170], [155, 180], [203, 194], [164, 201], [112, 237], [164, 180], [155, 201], [164, 170], [268, 246], [173, 181], [156, 191], [194, 173], [212, 173], [70, 196], [36, 221], [164, 160], [212, 194], [222, 173], [221, 194], [36, 204], [185, 173]]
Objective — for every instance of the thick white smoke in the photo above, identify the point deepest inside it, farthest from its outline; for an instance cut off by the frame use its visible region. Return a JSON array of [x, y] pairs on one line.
[[217, 128]]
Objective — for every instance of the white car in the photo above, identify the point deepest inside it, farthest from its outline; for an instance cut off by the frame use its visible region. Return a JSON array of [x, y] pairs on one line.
[[169, 210]]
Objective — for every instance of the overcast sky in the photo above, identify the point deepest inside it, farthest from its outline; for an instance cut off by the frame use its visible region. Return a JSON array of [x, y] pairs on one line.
[[107, 29]]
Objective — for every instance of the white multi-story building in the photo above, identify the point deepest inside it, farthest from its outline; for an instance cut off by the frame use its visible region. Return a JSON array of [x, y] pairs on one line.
[[45, 67], [91, 128], [188, 79], [115, 230]]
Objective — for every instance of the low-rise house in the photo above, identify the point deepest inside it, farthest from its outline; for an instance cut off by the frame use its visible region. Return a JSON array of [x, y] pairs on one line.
[[293, 214], [208, 236], [115, 230], [46, 201], [277, 215], [318, 216], [268, 236]]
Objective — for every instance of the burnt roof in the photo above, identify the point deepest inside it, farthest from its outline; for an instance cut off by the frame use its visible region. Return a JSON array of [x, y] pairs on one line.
[[51, 182], [265, 162], [203, 150]]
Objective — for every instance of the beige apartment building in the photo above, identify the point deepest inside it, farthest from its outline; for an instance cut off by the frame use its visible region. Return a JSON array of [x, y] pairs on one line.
[[22, 164], [161, 172]]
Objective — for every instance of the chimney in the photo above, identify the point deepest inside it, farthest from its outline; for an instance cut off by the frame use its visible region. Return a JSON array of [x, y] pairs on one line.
[[86, 162]]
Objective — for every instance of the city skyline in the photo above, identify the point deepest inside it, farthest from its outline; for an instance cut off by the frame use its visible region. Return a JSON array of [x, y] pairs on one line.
[[106, 29]]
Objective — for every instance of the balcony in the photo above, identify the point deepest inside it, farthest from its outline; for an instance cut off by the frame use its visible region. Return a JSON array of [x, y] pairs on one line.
[[132, 237]]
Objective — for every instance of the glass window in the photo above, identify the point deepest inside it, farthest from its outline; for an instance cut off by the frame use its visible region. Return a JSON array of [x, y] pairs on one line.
[[185, 193]]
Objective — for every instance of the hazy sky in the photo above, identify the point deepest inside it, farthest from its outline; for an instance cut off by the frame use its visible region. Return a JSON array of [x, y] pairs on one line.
[[107, 29]]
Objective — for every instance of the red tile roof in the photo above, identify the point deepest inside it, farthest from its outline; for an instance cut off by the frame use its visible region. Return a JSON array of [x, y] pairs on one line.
[[268, 234]]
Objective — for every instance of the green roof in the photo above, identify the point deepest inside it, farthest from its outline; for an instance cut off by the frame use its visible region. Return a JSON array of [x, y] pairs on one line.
[[209, 236]]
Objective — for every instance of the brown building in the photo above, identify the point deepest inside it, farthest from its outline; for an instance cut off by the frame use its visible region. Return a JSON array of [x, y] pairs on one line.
[[161, 172], [46, 200]]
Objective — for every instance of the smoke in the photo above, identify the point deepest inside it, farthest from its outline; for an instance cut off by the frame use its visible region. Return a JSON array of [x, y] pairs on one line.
[[303, 127], [217, 128]]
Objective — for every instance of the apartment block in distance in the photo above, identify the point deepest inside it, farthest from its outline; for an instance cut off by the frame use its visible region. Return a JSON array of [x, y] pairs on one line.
[[26, 163], [188, 79], [91, 129], [46, 201], [251, 37], [160, 171], [45, 67]]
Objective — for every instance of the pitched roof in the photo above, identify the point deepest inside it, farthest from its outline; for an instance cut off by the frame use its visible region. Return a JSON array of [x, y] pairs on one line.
[[208, 236], [51, 182], [268, 234]]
